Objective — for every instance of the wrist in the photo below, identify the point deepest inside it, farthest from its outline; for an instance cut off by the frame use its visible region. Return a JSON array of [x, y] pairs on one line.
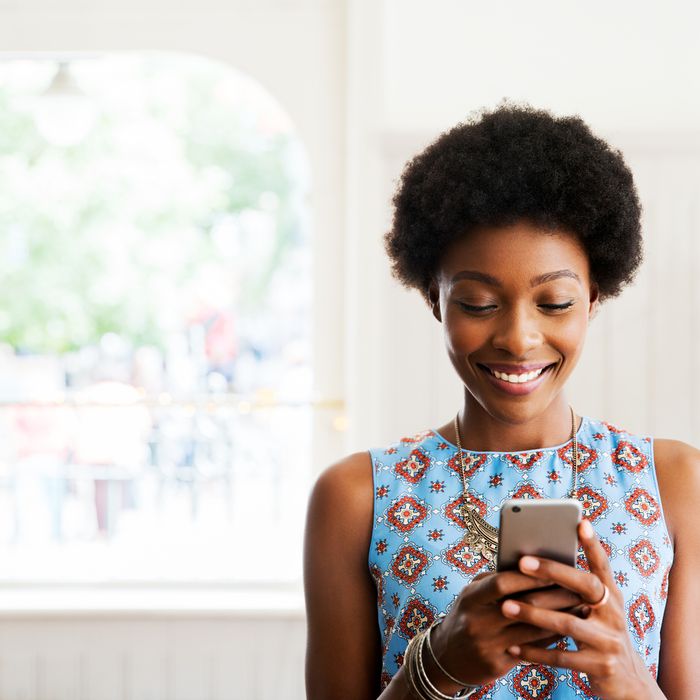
[[438, 678], [645, 687], [421, 685], [435, 664]]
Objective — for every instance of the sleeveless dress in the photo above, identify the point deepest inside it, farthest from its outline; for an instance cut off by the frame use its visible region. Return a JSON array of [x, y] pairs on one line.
[[419, 562]]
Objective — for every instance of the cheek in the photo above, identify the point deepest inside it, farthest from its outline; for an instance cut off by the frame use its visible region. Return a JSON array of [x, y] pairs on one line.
[[463, 338], [576, 327], [570, 336]]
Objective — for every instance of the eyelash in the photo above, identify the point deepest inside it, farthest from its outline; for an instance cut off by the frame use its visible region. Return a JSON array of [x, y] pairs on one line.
[[554, 307]]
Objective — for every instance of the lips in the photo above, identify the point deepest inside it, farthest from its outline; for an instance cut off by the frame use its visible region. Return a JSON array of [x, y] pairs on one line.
[[517, 389], [515, 369]]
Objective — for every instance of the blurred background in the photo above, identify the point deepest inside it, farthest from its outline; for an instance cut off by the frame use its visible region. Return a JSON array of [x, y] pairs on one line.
[[197, 316]]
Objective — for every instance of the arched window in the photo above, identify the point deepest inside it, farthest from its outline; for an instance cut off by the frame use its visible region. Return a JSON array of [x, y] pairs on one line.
[[155, 340]]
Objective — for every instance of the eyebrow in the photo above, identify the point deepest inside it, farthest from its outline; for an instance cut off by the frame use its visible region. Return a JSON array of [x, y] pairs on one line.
[[534, 282]]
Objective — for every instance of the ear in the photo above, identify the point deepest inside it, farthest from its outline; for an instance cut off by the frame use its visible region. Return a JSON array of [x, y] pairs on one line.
[[594, 302], [434, 297]]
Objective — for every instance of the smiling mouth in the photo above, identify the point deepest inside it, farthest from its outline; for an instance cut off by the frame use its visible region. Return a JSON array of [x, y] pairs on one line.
[[521, 378]]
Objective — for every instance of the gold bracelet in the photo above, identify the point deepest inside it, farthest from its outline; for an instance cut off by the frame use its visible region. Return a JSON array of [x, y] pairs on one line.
[[418, 681], [437, 663], [464, 693], [418, 685], [411, 670]]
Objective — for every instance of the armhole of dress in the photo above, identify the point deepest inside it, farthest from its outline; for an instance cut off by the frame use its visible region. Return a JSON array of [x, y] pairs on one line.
[[374, 505], [658, 490]]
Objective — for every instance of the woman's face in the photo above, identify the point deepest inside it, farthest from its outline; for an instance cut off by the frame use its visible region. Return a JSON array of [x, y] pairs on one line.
[[514, 299]]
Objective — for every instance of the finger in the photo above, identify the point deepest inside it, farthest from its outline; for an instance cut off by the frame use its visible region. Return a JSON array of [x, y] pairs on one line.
[[587, 661], [524, 594], [504, 583], [587, 585], [554, 599], [565, 624], [582, 611], [520, 633], [597, 557], [483, 574]]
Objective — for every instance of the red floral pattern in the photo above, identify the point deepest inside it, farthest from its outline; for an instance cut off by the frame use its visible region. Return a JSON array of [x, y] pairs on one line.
[[419, 560], [644, 557], [406, 514], [534, 681], [408, 564]]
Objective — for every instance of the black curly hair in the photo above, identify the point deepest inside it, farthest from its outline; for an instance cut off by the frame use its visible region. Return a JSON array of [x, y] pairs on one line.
[[517, 163]]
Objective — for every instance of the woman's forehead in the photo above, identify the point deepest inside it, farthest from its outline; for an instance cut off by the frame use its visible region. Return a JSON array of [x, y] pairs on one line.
[[517, 251]]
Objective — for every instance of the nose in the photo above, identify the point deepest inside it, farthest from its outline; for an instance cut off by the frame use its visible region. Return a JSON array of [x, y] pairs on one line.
[[518, 333]]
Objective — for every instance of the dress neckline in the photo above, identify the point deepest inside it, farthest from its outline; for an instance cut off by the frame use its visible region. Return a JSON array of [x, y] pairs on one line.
[[584, 420]]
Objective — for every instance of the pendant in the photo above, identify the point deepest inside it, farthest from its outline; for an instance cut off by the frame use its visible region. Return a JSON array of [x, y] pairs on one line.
[[480, 537]]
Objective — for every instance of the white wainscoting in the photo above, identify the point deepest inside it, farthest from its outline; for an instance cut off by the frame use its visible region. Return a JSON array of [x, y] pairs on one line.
[[640, 367], [152, 656]]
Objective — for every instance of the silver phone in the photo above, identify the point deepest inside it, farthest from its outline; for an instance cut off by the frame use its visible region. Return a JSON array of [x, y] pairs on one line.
[[544, 527]]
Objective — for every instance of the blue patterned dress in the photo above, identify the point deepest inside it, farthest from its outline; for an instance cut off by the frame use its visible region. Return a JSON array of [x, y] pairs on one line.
[[419, 562]]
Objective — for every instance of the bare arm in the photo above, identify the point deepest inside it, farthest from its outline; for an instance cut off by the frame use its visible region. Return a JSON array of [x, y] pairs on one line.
[[678, 472], [343, 654]]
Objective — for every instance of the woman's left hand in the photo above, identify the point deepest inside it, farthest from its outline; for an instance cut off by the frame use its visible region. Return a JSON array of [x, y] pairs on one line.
[[605, 650]]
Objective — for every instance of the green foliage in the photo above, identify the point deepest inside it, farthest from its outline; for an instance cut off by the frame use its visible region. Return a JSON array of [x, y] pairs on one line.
[[119, 232]]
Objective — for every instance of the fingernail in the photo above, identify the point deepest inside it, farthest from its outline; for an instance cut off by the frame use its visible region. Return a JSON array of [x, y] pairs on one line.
[[510, 608], [514, 650], [587, 529], [585, 611], [529, 563]]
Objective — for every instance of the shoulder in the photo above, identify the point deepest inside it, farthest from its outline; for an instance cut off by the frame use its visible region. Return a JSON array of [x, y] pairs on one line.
[[346, 487], [350, 476], [342, 500], [666, 450], [677, 464], [340, 594], [678, 473]]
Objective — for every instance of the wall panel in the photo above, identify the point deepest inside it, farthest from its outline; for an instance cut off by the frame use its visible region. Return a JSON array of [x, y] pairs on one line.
[[147, 658]]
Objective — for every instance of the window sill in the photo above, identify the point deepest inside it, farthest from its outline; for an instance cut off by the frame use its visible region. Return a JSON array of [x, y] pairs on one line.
[[167, 601]]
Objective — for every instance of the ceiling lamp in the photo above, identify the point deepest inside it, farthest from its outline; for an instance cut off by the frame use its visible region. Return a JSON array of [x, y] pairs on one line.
[[64, 114]]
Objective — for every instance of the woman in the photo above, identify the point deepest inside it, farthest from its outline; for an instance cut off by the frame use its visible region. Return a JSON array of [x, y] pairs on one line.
[[515, 227]]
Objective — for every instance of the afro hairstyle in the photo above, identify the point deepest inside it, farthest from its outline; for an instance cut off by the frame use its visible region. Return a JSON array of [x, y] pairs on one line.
[[517, 163]]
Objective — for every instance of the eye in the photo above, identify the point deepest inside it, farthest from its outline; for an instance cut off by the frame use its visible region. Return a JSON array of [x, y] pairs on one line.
[[558, 307], [481, 310], [476, 309]]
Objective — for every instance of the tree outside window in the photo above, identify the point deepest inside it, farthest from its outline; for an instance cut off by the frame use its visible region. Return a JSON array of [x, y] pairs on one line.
[[155, 364]]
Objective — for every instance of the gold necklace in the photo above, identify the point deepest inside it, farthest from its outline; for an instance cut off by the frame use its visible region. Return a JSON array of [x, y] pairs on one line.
[[480, 535]]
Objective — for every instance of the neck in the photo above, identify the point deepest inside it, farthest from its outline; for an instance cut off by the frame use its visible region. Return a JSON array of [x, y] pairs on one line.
[[483, 432]]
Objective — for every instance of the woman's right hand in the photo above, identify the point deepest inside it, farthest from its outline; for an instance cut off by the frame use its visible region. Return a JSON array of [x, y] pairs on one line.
[[471, 641]]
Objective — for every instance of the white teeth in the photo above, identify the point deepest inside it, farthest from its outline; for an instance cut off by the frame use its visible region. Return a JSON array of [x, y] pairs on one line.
[[518, 378]]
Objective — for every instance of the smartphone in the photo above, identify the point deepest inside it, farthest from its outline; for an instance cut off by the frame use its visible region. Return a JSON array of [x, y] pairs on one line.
[[545, 527]]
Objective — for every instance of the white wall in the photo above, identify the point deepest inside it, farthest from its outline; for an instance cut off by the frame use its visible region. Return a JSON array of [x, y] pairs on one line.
[[628, 69], [640, 367], [151, 657], [625, 65], [296, 49]]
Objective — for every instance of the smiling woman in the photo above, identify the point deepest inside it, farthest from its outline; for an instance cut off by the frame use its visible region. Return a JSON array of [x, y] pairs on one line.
[[526, 309], [514, 227]]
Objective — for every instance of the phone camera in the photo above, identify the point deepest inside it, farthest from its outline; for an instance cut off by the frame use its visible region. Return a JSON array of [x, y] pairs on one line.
[[516, 509]]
